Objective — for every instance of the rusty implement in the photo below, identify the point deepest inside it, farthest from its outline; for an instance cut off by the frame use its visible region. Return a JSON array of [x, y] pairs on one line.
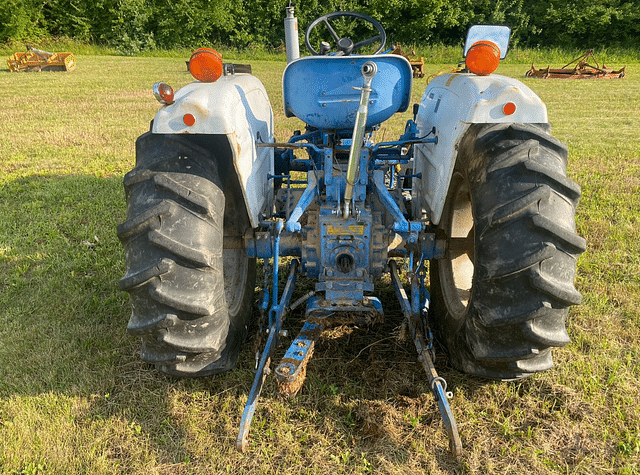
[[38, 60], [417, 65], [581, 70]]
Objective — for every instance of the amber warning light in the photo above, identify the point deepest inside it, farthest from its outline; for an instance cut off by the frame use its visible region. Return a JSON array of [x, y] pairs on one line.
[[483, 58], [205, 65]]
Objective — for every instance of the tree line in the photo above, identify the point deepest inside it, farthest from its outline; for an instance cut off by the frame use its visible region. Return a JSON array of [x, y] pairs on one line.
[[134, 25]]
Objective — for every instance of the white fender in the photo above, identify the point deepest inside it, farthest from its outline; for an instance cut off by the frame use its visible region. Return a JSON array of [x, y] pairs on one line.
[[238, 107], [450, 104]]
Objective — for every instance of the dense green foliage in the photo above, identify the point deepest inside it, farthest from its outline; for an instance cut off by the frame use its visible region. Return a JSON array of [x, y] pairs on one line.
[[134, 25]]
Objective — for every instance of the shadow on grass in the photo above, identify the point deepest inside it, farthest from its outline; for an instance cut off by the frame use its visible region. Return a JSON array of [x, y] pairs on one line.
[[62, 328]]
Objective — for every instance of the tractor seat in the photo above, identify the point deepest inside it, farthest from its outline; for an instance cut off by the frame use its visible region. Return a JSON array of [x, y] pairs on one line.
[[319, 90]]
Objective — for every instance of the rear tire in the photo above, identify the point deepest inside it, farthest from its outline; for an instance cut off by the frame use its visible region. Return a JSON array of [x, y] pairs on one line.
[[502, 293], [191, 299]]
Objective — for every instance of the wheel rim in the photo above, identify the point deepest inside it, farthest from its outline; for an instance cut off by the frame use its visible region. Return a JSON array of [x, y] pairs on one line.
[[456, 270], [235, 269]]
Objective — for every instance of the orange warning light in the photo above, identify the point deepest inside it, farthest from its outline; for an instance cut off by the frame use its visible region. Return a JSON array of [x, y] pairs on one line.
[[206, 65], [483, 58]]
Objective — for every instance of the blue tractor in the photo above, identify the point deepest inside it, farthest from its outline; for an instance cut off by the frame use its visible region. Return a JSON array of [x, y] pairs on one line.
[[472, 202]]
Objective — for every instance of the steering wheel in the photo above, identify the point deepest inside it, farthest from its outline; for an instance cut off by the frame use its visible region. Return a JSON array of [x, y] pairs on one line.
[[344, 45]]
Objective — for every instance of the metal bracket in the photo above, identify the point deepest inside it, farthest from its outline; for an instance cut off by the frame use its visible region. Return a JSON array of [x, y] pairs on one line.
[[293, 224], [401, 224], [438, 385], [276, 316], [292, 370]]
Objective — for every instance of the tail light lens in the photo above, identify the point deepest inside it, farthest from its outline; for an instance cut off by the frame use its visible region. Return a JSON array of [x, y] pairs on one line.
[[483, 58], [163, 92], [205, 65]]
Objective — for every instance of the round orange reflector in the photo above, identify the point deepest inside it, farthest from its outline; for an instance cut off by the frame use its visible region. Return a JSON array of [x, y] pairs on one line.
[[189, 119], [206, 65], [509, 108], [483, 58]]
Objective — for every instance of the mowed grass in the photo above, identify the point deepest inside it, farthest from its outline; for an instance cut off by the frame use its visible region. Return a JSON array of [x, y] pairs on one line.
[[75, 398]]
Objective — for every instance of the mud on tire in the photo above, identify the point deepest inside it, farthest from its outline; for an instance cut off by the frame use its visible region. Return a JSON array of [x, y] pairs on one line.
[[501, 295], [190, 298]]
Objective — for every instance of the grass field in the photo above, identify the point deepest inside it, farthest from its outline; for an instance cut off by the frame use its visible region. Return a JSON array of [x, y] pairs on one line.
[[76, 399]]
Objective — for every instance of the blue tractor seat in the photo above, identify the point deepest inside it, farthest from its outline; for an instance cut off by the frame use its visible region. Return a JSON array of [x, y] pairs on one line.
[[319, 90]]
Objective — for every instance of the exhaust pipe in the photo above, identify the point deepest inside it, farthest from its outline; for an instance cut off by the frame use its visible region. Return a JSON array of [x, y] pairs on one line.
[[292, 42]]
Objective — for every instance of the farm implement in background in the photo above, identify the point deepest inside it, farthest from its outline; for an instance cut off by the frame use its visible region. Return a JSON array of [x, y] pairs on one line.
[[581, 70], [417, 64], [37, 60], [471, 203]]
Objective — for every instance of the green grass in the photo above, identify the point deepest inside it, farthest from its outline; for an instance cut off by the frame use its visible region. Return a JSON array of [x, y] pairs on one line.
[[75, 399]]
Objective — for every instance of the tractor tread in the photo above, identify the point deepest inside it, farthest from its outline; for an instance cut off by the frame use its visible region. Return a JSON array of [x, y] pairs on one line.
[[509, 268], [135, 176], [571, 189], [516, 208], [525, 253], [151, 324], [173, 243], [515, 156], [141, 277], [577, 243], [200, 257], [149, 219], [555, 288], [547, 333], [163, 357], [203, 300], [188, 343], [196, 191]]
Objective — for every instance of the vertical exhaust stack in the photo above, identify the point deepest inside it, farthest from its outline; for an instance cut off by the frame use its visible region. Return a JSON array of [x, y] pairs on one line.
[[292, 42]]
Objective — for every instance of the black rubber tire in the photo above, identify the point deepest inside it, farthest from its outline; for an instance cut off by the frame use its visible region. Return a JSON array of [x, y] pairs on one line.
[[190, 298], [501, 296]]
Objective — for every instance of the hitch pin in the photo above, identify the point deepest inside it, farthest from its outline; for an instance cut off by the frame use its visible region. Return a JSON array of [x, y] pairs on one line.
[[369, 70]]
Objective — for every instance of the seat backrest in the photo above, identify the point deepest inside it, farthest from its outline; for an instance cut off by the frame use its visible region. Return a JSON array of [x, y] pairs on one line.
[[319, 90]]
